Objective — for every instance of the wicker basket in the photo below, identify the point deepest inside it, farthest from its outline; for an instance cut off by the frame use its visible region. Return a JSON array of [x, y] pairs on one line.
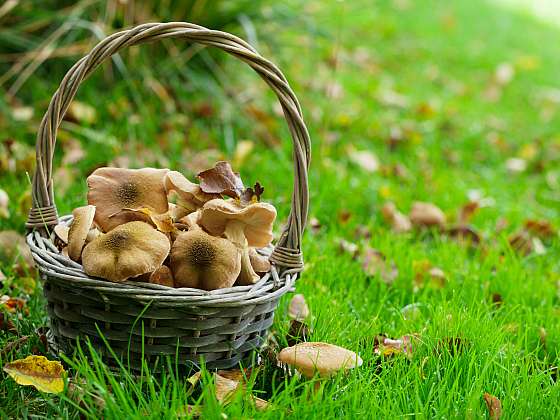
[[142, 321]]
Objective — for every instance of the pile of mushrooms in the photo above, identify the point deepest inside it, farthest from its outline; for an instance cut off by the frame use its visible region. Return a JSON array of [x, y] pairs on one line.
[[154, 225]]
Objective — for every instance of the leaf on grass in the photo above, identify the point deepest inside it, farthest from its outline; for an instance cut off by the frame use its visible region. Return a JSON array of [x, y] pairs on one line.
[[365, 160], [6, 324], [4, 202], [297, 308], [542, 229], [425, 274], [375, 263], [464, 234], [398, 221], [226, 390], [467, 212], [386, 347], [494, 406], [348, 247], [315, 225], [38, 371], [524, 243], [12, 304], [221, 180], [426, 215]]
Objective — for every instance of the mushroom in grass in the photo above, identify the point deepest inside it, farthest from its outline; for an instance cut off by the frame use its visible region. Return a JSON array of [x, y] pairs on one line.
[[113, 189], [129, 250], [245, 226], [79, 230], [189, 195], [319, 358], [203, 261]]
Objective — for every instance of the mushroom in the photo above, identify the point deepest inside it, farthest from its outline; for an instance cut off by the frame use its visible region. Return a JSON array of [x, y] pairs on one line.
[[244, 226], [129, 250], [162, 276], [319, 358], [79, 229], [189, 195], [113, 189], [259, 262], [202, 261], [60, 237]]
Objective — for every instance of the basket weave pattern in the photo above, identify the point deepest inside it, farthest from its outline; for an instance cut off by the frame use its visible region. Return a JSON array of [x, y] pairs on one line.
[[140, 320]]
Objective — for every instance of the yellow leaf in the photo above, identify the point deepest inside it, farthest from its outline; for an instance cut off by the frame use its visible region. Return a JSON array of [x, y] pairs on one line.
[[43, 374]]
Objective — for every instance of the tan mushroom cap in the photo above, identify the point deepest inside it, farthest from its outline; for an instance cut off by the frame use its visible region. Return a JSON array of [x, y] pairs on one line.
[[115, 189], [257, 219], [162, 276], [190, 196], [61, 234], [203, 261], [316, 357], [260, 263], [129, 250], [79, 229]]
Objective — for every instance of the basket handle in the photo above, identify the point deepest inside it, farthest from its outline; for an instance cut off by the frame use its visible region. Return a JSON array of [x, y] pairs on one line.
[[43, 214]]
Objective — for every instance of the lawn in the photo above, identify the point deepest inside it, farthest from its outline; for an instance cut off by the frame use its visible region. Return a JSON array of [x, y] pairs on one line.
[[455, 102]]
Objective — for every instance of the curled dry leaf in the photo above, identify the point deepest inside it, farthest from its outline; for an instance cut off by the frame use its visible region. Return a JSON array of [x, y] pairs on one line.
[[221, 180], [524, 243], [427, 215], [38, 371], [464, 234], [374, 263], [298, 309], [398, 221], [12, 304], [467, 212], [251, 195], [494, 406], [542, 229]]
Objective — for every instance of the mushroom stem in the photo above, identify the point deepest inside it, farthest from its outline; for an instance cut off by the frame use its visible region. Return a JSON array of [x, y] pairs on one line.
[[234, 232]]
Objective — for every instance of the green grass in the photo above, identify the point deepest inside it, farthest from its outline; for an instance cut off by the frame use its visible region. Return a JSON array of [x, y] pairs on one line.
[[441, 56]]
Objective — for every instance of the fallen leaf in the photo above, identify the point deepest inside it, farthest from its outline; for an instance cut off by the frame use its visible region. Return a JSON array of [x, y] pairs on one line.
[[348, 248], [386, 347], [251, 195], [221, 180], [426, 215], [494, 406], [467, 212], [297, 308], [464, 234], [38, 371], [365, 160], [543, 229], [374, 263], [398, 221], [6, 324], [516, 165], [4, 202], [12, 304], [344, 216]]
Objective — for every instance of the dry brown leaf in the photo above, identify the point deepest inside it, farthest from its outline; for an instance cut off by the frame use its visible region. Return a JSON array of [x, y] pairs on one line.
[[542, 229], [426, 215], [464, 234], [251, 195], [12, 304], [297, 308], [221, 180], [494, 406], [226, 390], [374, 263], [38, 371], [315, 225], [467, 212], [398, 221], [6, 324]]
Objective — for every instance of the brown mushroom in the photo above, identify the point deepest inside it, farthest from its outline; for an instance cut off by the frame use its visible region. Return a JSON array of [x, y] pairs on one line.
[[79, 229], [189, 195], [162, 276], [202, 261], [113, 189], [259, 262], [245, 226], [128, 250], [60, 237], [324, 359]]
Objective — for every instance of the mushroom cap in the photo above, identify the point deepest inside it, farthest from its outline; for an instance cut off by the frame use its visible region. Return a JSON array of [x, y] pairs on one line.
[[79, 229], [162, 276], [257, 219], [260, 263], [326, 359], [127, 251], [202, 261], [115, 189], [61, 233], [186, 190]]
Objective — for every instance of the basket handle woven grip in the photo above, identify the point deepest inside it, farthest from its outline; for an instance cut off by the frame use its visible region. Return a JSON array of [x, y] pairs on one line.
[[43, 215]]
